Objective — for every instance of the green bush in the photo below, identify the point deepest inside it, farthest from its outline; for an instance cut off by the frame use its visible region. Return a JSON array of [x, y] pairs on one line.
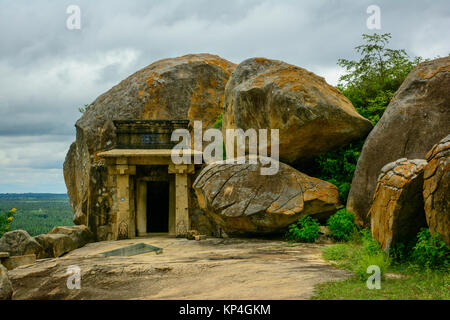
[[337, 167], [342, 225], [370, 254], [6, 219], [370, 246], [379, 259], [430, 251], [305, 229]]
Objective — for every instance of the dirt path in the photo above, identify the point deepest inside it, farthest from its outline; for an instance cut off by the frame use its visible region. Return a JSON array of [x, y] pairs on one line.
[[208, 269]]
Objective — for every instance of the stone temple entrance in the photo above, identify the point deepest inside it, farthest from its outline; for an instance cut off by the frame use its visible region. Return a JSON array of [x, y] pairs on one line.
[[157, 206], [152, 193]]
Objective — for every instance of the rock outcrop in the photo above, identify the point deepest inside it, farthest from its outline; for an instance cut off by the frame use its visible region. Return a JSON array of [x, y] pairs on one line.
[[19, 243], [397, 213], [189, 87], [55, 245], [312, 116], [436, 189], [417, 118], [6, 290], [81, 235], [242, 201]]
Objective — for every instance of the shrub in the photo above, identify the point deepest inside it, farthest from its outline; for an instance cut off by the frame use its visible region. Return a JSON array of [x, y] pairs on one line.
[[430, 251], [370, 246], [370, 255], [337, 167], [305, 229], [6, 219], [379, 259], [342, 225]]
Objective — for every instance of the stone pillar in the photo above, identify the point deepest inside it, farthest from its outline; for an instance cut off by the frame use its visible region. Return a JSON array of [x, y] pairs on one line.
[[141, 216], [122, 229], [182, 221]]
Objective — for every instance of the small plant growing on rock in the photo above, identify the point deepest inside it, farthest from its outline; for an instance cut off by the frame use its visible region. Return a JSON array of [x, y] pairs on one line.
[[306, 229], [342, 225], [6, 219], [430, 251]]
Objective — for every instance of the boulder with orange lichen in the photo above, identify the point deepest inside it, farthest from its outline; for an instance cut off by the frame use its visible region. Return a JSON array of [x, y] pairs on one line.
[[397, 213], [242, 201], [188, 87], [312, 116], [417, 117], [436, 189]]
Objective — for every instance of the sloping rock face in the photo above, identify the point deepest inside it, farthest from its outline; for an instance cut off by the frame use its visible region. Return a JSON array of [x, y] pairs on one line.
[[397, 213], [6, 290], [19, 243], [417, 118], [312, 116], [241, 201], [55, 245], [81, 235], [436, 189], [189, 87]]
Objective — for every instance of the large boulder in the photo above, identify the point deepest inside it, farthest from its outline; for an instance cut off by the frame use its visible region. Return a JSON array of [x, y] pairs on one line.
[[189, 87], [242, 201], [81, 235], [55, 245], [312, 116], [19, 243], [417, 118], [397, 213], [6, 290], [436, 189]]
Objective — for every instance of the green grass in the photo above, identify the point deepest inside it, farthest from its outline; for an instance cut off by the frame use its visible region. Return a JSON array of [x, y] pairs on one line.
[[410, 282], [416, 285]]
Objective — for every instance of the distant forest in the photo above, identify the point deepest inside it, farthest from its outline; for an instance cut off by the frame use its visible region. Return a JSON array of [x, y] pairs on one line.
[[37, 213]]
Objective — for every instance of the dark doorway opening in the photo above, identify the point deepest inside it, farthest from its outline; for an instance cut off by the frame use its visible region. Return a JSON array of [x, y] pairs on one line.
[[158, 206]]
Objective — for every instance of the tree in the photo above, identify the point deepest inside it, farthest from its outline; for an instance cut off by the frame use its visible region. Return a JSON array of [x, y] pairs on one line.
[[370, 84], [371, 81]]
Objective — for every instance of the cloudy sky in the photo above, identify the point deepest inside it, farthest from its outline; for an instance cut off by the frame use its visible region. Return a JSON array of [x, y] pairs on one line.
[[47, 70]]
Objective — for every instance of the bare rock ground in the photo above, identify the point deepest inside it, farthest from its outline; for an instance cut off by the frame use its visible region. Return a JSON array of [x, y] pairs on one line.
[[207, 269]]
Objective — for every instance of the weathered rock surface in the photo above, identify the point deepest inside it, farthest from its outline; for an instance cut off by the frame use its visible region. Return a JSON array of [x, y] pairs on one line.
[[186, 270], [312, 116], [417, 118], [241, 201], [6, 290], [189, 87], [397, 213], [19, 243], [55, 245], [81, 234], [18, 261], [436, 189]]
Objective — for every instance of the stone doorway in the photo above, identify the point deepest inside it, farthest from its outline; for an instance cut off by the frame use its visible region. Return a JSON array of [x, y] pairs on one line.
[[157, 207]]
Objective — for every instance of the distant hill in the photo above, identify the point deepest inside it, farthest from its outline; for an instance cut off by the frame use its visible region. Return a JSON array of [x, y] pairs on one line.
[[37, 213]]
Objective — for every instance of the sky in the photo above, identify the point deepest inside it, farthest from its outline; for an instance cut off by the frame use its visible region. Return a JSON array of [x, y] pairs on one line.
[[48, 70]]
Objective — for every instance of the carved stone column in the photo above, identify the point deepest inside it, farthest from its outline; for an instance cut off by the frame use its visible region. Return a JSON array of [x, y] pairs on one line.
[[123, 228], [182, 221]]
